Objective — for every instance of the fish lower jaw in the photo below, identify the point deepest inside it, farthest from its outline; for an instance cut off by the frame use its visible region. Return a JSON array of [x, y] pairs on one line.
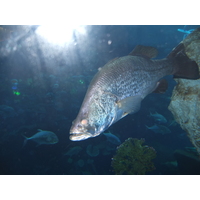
[[81, 136]]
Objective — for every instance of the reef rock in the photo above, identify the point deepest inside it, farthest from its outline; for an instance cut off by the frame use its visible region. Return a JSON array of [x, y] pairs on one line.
[[185, 101]]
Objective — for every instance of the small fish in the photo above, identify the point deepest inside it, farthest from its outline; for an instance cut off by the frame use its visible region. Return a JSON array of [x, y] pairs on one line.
[[42, 137], [119, 87], [159, 129], [154, 127], [7, 112], [158, 117], [191, 149], [73, 151], [112, 138], [92, 151], [186, 32], [173, 123]]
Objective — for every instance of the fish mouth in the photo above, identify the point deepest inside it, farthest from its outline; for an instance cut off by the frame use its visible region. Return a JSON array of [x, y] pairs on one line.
[[80, 136]]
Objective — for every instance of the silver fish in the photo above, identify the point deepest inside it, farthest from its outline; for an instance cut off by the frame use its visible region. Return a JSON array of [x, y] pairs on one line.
[[73, 151], [157, 128], [42, 137], [119, 87], [112, 138], [158, 117]]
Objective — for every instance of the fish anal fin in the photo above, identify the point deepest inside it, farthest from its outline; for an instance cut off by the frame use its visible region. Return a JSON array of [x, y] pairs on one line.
[[162, 86], [130, 104], [147, 51]]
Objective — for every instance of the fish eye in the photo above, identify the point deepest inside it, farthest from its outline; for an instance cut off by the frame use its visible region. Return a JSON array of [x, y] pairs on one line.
[[84, 122]]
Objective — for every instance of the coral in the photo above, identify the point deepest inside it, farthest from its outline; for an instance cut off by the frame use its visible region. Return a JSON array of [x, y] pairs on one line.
[[133, 157]]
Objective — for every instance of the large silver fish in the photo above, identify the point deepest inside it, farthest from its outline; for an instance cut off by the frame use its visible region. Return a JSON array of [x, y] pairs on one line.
[[120, 86]]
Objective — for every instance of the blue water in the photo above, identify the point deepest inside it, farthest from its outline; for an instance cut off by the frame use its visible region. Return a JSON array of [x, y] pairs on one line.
[[43, 81]]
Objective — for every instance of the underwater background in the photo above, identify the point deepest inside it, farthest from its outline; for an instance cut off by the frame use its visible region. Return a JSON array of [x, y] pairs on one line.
[[44, 75]]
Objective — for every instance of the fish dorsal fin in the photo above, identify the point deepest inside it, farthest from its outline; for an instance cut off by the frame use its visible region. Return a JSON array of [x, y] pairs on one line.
[[147, 51], [130, 105]]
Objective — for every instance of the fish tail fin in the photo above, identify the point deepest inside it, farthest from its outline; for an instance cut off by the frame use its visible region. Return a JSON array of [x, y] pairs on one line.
[[152, 113], [184, 66], [25, 140], [147, 126]]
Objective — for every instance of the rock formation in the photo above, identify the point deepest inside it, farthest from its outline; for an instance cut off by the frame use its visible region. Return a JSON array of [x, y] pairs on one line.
[[185, 101]]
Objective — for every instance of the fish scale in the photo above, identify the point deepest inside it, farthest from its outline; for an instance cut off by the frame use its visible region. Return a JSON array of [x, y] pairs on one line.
[[135, 78]]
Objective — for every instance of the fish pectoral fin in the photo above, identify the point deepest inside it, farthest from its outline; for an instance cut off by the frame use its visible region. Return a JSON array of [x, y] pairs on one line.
[[147, 51], [161, 87], [130, 104]]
